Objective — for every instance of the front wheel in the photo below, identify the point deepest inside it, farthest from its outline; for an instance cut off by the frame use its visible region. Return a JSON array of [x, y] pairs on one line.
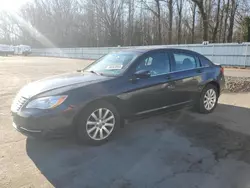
[[97, 124], [208, 99]]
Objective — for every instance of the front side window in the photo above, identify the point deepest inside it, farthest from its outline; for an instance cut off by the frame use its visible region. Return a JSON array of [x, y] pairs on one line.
[[112, 64], [185, 61], [156, 63]]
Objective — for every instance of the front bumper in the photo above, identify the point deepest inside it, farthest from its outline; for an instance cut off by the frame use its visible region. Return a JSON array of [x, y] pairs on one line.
[[27, 132], [40, 123]]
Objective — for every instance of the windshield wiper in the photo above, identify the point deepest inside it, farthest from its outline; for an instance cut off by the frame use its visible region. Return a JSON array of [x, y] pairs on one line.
[[94, 72], [81, 70]]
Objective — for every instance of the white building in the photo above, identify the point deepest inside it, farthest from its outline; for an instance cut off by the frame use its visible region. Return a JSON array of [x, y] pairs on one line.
[[6, 49], [22, 50]]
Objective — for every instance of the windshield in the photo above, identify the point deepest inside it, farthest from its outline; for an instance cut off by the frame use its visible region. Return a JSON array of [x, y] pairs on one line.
[[112, 64]]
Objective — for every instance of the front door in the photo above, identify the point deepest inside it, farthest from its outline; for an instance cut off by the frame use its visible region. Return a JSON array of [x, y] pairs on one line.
[[149, 94]]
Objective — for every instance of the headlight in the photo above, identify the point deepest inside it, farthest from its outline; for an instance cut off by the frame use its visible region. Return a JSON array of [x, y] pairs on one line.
[[47, 102]]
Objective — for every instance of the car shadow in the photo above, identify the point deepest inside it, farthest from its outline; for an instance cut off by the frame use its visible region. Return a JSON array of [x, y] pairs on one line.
[[66, 164]]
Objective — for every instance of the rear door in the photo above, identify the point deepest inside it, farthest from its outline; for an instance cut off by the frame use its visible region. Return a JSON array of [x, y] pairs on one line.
[[186, 75]]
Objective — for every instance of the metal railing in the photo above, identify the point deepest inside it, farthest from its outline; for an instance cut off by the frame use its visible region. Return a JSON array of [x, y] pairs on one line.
[[230, 54]]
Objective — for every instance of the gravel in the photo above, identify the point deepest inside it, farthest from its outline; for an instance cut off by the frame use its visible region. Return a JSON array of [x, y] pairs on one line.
[[237, 84]]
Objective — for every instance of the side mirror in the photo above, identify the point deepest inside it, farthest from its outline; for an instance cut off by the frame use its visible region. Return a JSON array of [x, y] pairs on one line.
[[142, 74]]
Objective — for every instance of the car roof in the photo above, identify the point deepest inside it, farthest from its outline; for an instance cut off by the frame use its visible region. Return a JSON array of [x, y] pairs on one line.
[[144, 50]]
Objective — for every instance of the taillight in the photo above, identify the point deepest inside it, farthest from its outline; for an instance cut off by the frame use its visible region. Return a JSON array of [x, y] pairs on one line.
[[222, 70]]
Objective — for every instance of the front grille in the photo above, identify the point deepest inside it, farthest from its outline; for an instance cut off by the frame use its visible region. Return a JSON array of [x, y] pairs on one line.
[[18, 103]]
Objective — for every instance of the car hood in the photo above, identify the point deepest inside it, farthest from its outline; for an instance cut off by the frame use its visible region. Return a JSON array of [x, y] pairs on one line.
[[59, 81]]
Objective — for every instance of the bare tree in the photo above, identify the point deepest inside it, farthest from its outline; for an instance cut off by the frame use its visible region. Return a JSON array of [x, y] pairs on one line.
[[109, 11], [217, 20], [200, 5], [225, 21], [231, 20], [221, 21], [130, 21], [157, 14], [179, 10], [193, 21], [79, 23], [170, 18]]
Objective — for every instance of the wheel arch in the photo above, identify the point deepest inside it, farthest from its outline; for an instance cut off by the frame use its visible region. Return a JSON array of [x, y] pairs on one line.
[[114, 101], [216, 84]]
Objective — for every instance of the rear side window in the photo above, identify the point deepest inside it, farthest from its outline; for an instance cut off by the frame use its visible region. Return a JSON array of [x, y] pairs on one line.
[[205, 62], [185, 61]]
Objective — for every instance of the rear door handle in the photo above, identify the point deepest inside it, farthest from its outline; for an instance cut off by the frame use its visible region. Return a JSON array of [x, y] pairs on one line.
[[171, 86], [199, 71], [168, 86], [168, 77]]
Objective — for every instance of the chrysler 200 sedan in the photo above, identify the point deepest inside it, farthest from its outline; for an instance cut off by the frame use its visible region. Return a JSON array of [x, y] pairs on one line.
[[94, 101]]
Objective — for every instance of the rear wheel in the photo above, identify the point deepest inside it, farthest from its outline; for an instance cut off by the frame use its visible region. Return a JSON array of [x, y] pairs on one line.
[[97, 124], [208, 99]]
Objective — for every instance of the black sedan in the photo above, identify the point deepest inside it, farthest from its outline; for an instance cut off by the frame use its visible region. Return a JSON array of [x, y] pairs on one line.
[[94, 101]]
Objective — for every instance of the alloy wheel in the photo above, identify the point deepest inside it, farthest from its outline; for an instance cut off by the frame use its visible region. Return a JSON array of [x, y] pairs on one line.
[[210, 99], [100, 124]]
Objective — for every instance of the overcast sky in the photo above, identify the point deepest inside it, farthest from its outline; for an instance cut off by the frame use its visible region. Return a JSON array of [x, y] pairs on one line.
[[11, 5]]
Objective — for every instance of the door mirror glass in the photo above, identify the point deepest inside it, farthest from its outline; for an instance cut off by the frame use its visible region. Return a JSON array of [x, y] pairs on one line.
[[142, 74]]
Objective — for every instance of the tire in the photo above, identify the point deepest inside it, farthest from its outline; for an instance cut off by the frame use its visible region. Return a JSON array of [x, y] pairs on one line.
[[89, 133], [204, 107]]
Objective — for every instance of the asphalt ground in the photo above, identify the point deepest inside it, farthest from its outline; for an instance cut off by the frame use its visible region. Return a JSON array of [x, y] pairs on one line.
[[179, 149]]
